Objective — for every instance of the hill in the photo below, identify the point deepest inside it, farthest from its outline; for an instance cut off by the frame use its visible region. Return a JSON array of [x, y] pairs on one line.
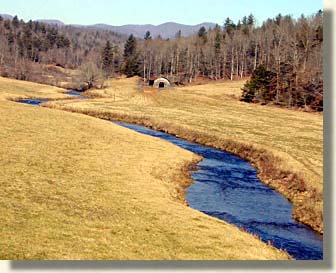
[[74, 194], [285, 145], [6, 16], [51, 22], [166, 30]]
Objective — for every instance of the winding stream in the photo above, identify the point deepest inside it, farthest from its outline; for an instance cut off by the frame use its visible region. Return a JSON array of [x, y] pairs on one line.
[[227, 187]]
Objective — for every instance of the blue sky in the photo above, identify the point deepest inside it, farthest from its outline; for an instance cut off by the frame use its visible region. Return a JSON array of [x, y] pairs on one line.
[[153, 11]]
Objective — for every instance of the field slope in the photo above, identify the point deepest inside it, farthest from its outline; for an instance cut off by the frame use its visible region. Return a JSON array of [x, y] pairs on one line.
[[285, 145], [76, 187]]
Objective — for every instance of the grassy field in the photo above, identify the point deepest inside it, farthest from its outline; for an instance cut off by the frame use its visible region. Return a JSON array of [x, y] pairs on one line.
[[285, 145], [11, 89], [77, 187]]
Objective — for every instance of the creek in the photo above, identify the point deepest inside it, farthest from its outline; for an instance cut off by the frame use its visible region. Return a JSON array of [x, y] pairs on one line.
[[228, 188]]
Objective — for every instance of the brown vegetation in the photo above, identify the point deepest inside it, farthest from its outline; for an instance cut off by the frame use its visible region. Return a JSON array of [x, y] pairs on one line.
[[285, 146], [75, 187], [290, 49]]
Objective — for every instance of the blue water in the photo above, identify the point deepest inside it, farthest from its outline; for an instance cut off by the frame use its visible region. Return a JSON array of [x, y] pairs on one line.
[[227, 187], [33, 101], [36, 102], [75, 94]]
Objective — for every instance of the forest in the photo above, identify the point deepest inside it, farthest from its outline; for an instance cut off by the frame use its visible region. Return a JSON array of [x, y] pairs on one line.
[[281, 58]]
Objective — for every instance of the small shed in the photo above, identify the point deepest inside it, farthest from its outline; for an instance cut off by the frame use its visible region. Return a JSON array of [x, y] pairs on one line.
[[161, 83]]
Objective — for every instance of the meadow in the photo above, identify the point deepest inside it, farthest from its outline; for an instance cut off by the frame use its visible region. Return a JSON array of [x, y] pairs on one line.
[[285, 145], [77, 187]]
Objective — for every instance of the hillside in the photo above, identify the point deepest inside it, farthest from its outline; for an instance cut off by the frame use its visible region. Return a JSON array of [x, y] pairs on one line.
[[6, 16], [51, 22], [166, 30], [75, 187], [285, 145], [232, 51]]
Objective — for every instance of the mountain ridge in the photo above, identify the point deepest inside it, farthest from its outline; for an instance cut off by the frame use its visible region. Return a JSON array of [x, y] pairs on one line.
[[165, 30]]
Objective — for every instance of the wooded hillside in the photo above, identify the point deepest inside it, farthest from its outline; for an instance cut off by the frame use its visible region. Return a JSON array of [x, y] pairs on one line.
[[286, 52]]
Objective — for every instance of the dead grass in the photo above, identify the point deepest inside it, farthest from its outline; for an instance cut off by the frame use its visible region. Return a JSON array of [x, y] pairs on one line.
[[76, 187], [11, 89], [285, 145]]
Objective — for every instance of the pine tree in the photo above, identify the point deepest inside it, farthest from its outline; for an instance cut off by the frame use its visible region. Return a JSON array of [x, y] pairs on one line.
[[148, 36], [259, 87], [229, 26], [15, 22], [130, 46], [218, 40], [52, 36], [178, 34], [131, 66], [250, 20], [202, 34], [107, 59]]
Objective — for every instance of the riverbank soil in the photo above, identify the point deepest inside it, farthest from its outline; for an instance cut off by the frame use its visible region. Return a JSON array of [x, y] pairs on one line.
[[285, 145], [77, 187]]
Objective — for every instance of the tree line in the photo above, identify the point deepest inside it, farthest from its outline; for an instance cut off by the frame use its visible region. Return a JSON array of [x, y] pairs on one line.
[[26, 47], [282, 56]]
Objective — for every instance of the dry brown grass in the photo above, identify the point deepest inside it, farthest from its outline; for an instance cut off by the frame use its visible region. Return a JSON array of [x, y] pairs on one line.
[[76, 187], [285, 145], [11, 89]]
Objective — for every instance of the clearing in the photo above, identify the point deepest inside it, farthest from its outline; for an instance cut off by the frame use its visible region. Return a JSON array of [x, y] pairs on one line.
[[77, 187], [285, 145]]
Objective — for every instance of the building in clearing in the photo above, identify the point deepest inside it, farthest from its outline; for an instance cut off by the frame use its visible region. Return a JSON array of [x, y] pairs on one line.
[[161, 83]]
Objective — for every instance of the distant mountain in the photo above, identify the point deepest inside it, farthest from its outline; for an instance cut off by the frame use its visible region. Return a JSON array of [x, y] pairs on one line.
[[46, 21], [7, 16], [166, 30], [51, 22]]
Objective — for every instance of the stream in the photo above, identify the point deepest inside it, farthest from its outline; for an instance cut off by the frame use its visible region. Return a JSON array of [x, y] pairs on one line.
[[227, 187]]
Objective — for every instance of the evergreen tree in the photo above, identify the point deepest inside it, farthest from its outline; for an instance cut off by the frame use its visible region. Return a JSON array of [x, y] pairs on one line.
[[131, 65], [52, 36], [218, 40], [244, 21], [130, 46], [250, 20], [15, 22], [107, 59], [259, 87], [229, 26], [148, 36], [278, 19], [239, 24], [202, 34]]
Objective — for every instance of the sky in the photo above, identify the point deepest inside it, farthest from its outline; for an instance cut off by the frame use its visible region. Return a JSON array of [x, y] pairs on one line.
[[120, 12]]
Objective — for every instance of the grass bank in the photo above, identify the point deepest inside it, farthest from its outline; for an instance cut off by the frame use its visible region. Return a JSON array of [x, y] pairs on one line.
[[76, 187], [11, 89], [285, 145]]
